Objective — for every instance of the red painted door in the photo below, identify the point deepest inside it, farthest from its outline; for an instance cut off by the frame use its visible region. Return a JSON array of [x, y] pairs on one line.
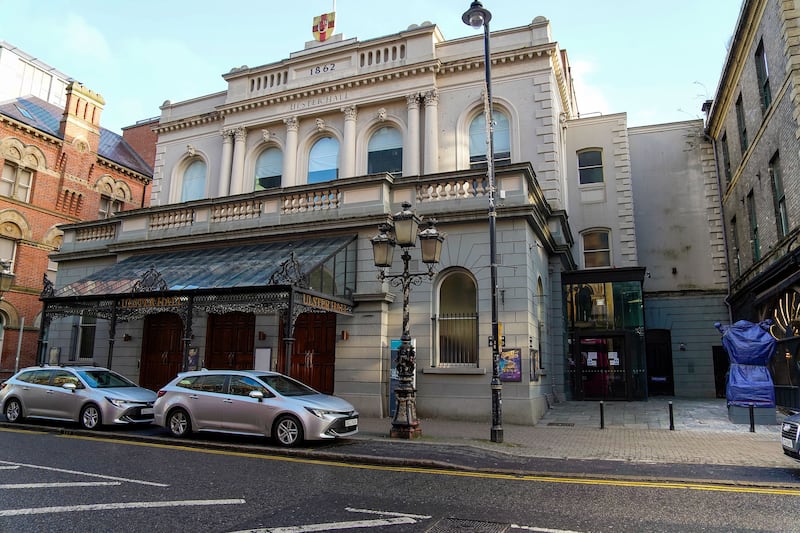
[[162, 350], [314, 350], [230, 341]]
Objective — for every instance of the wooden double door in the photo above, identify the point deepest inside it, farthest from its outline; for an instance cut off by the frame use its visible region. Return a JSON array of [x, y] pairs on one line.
[[229, 345], [313, 358]]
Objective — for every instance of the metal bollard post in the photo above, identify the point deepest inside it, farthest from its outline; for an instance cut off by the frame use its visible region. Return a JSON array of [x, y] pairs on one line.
[[752, 420], [671, 418], [602, 416]]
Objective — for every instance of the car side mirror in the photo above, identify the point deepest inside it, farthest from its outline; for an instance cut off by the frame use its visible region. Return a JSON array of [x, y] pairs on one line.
[[256, 394], [69, 386]]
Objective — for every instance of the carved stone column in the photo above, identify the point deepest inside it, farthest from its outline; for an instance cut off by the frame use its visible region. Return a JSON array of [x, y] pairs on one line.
[[431, 142], [237, 173], [348, 168], [412, 143], [290, 152], [224, 186]]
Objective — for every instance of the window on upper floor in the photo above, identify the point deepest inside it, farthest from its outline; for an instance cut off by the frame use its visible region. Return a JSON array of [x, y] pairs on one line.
[[193, 186], [596, 249], [457, 321], [752, 216], [385, 151], [778, 196], [762, 74], [16, 182], [726, 158], [742, 124], [590, 166], [8, 251], [501, 138], [737, 259], [323, 161], [269, 168], [108, 207]]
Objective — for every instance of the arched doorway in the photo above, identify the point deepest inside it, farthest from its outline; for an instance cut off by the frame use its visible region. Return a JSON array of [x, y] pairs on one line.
[[162, 350]]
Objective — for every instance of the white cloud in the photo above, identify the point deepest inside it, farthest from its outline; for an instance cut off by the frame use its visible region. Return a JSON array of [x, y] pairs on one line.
[[591, 99], [79, 37]]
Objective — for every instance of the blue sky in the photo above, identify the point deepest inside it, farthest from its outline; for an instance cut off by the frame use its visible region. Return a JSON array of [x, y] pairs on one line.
[[657, 61]]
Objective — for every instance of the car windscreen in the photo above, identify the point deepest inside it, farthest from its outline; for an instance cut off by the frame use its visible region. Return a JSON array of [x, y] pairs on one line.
[[287, 386], [104, 379]]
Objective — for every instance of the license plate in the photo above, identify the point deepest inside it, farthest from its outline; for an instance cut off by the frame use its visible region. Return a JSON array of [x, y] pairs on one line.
[[787, 443], [147, 411], [350, 422]]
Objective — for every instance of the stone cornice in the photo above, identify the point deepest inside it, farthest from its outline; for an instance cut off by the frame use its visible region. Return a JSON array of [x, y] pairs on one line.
[[747, 28], [107, 163]]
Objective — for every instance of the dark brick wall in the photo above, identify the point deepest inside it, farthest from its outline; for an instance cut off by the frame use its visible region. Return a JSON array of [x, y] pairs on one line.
[[770, 131]]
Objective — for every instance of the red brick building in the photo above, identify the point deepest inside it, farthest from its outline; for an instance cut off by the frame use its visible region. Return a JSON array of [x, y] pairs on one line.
[[59, 166]]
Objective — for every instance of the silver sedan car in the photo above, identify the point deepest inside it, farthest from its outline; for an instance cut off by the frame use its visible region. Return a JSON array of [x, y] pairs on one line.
[[251, 402], [89, 395]]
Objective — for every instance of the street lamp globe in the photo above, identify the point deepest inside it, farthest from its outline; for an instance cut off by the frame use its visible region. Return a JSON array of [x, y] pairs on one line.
[[430, 241], [406, 224], [476, 16], [383, 246]]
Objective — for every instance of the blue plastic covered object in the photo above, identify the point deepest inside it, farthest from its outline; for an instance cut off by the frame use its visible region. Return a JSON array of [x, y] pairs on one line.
[[750, 346]]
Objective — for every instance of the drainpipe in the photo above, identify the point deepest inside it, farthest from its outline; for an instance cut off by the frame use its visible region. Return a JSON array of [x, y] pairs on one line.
[[707, 108]]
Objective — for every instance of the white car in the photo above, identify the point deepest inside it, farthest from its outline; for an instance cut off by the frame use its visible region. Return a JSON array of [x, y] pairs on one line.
[[90, 395], [251, 402], [790, 436]]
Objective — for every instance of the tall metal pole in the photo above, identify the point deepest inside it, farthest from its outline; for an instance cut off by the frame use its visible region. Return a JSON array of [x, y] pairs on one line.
[[496, 385]]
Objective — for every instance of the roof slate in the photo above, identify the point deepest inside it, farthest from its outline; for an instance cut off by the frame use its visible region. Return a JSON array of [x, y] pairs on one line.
[[46, 117]]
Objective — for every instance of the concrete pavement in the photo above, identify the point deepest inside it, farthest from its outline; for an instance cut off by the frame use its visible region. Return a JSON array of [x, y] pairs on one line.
[[633, 432]]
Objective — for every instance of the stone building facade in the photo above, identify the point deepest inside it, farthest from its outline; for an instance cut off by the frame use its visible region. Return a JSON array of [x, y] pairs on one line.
[[256, 250]]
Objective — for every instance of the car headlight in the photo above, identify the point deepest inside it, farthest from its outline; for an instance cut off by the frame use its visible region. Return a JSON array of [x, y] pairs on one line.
[[319, 413], [117, 402]]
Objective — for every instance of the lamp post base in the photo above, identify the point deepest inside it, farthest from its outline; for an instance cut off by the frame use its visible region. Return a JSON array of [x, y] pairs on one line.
[[405, 424], [497, 434]]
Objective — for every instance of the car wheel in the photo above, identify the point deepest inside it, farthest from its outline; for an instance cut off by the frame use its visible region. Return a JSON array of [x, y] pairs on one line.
[[90, 417], [178, 423], [13, 411], [288, 431]]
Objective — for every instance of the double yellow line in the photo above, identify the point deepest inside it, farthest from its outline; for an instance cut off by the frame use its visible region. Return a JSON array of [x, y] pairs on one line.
[[675, 485]]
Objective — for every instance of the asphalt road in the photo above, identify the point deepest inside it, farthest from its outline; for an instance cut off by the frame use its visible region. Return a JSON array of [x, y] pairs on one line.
[[53, 481]]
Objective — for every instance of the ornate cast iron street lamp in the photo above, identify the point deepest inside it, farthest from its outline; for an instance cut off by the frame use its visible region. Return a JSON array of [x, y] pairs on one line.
[[477, 16], [404, 232]]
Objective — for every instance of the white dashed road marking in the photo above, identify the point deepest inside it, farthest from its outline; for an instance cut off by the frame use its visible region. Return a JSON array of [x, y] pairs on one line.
[[113, 506], [88, 474]]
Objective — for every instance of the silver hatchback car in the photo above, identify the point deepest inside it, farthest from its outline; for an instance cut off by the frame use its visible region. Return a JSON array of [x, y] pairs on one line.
[[252, 402], [89, 395]]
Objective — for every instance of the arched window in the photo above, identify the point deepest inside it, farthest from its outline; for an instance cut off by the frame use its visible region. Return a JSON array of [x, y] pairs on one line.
[[193, 186], [323, 160], [269, 167], [385, 151], [596, 249], [501, 139], [457, 323]]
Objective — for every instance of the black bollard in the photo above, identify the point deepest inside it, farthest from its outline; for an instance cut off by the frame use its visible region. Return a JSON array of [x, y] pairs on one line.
[[752, 420], [602, 416], [671, 418]]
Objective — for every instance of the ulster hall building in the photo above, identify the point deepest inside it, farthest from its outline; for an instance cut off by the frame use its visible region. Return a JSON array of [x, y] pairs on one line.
[[256, 249]]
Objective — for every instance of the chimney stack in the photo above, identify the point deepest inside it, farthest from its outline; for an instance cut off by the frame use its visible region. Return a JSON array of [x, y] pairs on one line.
[[81, 118]]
